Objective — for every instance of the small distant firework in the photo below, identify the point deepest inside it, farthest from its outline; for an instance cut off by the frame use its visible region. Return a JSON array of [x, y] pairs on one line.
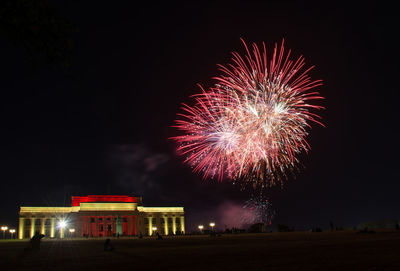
[[261, 210], [253, 123]]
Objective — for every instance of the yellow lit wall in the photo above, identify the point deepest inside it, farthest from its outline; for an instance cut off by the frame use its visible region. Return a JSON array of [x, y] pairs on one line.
[[160, 209], [49, 209], [108, 206]]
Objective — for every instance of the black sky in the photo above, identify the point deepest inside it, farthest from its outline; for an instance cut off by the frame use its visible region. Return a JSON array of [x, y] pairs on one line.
[[102, 125]]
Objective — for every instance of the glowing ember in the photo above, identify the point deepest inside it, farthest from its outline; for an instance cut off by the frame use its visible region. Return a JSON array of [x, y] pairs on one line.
[[262, 210]]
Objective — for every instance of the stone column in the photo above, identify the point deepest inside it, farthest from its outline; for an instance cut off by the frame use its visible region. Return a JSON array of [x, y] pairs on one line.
[[53, 227], [96, 220], [135, 224], [43, 219], [174, 225], [33, 220], [119, 225], [21, 230], [130, 220], [62, 232], [114, 225], [88, 226], [166, 225], [83, 225], [183, 224], [150, 225]]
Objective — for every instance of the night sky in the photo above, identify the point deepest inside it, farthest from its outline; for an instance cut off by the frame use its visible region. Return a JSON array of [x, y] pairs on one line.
[[101, 125]]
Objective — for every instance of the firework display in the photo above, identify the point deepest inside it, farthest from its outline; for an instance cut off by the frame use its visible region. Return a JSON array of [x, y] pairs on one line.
[[253, 123], [261, 210]]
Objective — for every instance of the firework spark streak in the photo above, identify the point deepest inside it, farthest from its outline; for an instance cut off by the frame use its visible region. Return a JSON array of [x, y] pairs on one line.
[[253, 123], [261, 208]]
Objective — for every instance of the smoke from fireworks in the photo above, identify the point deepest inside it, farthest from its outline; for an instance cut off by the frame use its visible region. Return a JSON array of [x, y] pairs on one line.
[[261, 208], [253, 123]]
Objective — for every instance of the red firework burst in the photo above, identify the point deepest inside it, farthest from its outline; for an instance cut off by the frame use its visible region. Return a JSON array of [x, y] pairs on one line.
[[253, 123]]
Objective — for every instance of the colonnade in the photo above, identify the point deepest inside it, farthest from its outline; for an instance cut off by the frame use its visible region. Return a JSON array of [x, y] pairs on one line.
[[33, 228], [166, 228], [91, 225]]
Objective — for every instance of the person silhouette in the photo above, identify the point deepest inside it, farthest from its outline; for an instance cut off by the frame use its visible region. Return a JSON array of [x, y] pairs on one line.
[[108, 246], [35, 240], [331, 225]]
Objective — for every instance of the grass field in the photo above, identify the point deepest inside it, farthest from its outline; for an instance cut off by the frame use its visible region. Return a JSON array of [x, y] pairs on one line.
[[270, 251]]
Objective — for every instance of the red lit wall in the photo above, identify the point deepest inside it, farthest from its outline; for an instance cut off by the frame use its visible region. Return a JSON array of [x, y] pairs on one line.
[[76, 200]]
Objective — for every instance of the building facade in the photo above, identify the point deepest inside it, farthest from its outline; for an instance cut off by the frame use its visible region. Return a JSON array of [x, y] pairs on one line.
[[101, 216]]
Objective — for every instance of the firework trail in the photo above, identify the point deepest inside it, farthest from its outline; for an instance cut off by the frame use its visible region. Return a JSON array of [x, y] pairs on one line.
[[261, 210], [253, 123]]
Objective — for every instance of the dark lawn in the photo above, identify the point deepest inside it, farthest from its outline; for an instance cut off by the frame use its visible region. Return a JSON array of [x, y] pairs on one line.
[[270, 251]]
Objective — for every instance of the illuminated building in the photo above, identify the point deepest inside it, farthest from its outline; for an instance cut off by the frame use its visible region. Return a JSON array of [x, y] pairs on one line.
[[100, 216]]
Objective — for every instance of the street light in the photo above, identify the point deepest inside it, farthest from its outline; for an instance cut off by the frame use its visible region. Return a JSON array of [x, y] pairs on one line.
[[62, 224], [12, 231], [201, 227], [4, 228], [71, 232], [212, 224]]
